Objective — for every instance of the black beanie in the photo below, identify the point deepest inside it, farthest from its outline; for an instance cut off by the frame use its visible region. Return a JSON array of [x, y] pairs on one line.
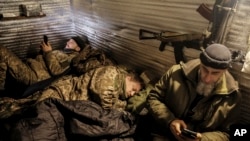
[[216, 56], [81, 41]]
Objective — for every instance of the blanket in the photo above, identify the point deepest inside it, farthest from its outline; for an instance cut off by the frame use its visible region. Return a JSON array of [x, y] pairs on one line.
[[54, 119]]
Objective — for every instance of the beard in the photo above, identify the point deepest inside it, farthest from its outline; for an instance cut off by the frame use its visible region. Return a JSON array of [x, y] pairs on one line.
[[204, 89]]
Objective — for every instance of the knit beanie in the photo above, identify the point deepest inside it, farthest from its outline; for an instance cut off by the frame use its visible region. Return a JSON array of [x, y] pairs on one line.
[[216, 56], [81, 41]]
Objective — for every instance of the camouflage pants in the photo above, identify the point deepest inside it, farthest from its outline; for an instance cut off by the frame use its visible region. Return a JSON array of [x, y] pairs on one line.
[[16, 67]]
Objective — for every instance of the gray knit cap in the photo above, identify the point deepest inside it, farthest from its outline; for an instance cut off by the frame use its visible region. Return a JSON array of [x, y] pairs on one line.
[[216, 56]]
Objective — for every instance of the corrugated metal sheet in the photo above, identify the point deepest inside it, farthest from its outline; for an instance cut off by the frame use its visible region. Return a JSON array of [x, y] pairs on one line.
[[114, 26], [237, 38], [239, 28], [23, 36]]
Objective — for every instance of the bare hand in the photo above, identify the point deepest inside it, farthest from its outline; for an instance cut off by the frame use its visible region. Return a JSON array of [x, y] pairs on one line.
[[176, 126], [45, 48]]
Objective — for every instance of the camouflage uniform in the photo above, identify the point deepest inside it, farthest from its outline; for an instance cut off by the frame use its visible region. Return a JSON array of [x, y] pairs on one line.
[[90, 58], [33, 70], [103, 85]]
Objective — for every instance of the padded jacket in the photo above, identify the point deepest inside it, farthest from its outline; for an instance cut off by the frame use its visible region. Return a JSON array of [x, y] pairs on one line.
[[58, 61], [58, 120], [173, 94], [34, 69], [104, 85]]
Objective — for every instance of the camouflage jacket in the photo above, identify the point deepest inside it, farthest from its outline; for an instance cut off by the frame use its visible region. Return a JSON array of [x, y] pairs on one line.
[[34, 69], [90, 58], [58, 61], [50, 64], [103, 85]]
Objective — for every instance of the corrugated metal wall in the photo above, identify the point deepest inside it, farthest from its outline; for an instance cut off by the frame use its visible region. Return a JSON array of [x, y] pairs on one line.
[[114, 27], [239, 28], [24, 36], [238, 39]]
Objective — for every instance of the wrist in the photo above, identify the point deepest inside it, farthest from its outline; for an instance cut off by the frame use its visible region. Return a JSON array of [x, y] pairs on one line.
[[170, 121]]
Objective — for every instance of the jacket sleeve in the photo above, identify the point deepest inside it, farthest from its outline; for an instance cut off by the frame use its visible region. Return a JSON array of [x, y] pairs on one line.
[[107, 97], [137, 102], [63, 88], [105, 87], [156, 98], [215, 136], [57, 61], [229, 110]]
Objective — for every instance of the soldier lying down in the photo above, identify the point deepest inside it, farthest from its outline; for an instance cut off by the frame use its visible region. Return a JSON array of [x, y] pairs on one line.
[[108, 86]]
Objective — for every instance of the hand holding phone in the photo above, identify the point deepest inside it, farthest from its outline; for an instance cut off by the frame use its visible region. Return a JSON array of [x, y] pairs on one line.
[[189, 133], [45, 46], [45, 39]]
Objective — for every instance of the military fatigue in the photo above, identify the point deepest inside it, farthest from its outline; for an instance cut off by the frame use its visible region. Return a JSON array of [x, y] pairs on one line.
[[104, 85], [33, 70], [90, 58], [137, 103]]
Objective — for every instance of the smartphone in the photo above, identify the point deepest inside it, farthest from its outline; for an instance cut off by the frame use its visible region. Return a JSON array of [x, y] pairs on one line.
[[45, 39], [189, 133]]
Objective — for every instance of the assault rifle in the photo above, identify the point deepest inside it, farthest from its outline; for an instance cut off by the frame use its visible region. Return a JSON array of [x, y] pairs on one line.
[[175, 39]]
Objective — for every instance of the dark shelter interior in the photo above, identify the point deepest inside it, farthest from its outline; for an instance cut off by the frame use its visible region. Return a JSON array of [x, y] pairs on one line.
[[143, 35]]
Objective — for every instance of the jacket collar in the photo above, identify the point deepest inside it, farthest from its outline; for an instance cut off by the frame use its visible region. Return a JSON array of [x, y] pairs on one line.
[[69, 51], [224, 86]]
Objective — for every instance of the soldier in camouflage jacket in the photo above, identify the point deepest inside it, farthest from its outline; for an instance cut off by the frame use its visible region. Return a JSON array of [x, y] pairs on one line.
[[44, 66], [109, 86]]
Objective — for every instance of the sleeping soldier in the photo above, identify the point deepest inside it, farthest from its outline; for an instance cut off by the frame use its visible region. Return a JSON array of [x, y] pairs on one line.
[[108, 86]]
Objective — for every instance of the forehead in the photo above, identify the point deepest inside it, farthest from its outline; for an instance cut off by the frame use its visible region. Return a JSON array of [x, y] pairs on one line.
[[134, 84], [137, 84], [72, 40], [137, 87], [210, 69]]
